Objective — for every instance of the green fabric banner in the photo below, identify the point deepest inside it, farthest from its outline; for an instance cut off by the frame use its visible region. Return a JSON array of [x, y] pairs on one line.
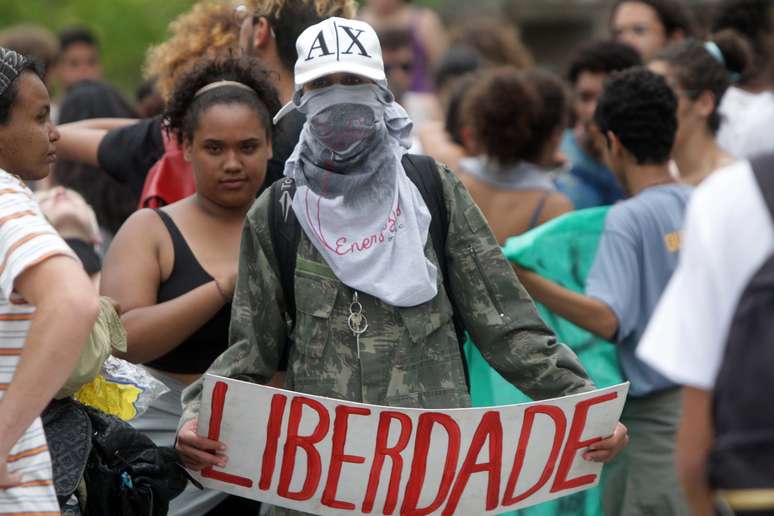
[[563, 251]]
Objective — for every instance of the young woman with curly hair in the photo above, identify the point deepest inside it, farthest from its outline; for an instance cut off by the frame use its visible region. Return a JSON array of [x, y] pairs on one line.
[[173, 269], [516, 121], [209, 29]]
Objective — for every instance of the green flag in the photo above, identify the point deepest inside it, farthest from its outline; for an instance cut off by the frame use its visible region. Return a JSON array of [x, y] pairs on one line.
[[563, 251]]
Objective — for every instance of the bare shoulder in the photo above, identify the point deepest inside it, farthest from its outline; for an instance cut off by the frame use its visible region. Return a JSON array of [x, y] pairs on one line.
[[143, 232], [556, 204], [145, 221]]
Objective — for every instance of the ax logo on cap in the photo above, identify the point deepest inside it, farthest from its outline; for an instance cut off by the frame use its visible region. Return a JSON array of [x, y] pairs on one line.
[[338, 45], [354, 38]]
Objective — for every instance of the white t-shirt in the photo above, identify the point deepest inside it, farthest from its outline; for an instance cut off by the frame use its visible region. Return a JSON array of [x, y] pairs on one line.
[[748, 121], [26, 239], [728, 235]]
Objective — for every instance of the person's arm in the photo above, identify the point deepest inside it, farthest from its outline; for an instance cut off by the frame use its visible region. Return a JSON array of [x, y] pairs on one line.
[[499, 315], [66, 308], [502, 320], [694, 441], [588, 313], [79, 141], [257, 333], [154, 329], [433, 35]]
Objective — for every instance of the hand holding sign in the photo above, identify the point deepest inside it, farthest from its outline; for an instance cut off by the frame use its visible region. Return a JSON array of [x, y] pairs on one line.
[[607, 449], [328, 456], [199, 452]]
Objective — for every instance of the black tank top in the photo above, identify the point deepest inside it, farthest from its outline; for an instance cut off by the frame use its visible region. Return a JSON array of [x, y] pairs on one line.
[[197, 352]]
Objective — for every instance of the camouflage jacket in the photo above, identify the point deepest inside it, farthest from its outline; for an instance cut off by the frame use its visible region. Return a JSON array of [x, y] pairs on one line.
[[409, 357]]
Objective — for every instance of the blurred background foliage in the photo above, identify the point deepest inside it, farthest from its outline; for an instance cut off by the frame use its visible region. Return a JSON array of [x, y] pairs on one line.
[[125, 28]]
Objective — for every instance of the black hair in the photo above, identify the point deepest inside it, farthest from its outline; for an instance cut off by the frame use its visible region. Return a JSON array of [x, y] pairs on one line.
[[672, 14], [185, 108], [602, 57], [73, 35], [751, 19], [8, 97], [113, 202], [554, 107], [456, 62], [296, 16], [697, 70], [640, 108], [146, 89]]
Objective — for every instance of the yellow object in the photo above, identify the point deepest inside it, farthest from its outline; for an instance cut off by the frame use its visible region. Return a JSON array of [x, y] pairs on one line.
[[748, 499], [116, 399]]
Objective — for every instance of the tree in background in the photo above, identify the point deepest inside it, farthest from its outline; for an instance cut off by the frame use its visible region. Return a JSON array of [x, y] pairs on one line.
[[125, 28]]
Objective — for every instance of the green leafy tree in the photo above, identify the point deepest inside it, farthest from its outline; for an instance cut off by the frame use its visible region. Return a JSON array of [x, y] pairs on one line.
[[125, 28]]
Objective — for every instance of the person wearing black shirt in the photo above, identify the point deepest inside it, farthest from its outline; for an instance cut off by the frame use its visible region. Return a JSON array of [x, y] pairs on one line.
[[128, 153]]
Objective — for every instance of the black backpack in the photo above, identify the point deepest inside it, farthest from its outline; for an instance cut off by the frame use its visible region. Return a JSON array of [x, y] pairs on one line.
[[742, 456], [285, 231], [125, 473]]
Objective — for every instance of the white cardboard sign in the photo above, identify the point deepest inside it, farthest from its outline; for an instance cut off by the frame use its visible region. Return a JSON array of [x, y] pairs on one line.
[[327, 456]]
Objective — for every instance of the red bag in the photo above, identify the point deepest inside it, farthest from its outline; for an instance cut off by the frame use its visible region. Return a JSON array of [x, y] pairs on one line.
[[169, 179]]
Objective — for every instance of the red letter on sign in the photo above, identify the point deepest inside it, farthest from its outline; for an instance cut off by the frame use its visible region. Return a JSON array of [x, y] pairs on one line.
[[295, 441], [574, 444], [382, 451], [273, 428], [216, 416], [419, 464], [490, 428], [338, 457], [560, 422]]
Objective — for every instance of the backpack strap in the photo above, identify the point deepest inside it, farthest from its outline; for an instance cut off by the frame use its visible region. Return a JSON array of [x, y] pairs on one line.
[[284, 230], [763, 170], [423, 172]]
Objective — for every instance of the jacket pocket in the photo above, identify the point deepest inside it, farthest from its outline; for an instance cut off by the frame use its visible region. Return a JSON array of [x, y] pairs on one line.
[[487, 281], [315, 300]]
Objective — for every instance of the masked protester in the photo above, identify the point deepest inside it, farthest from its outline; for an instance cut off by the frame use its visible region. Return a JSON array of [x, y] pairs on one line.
[[372, 292]]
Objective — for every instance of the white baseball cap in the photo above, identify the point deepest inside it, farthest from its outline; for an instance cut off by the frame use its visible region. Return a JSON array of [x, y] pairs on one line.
[[339, 45], [336, 45]]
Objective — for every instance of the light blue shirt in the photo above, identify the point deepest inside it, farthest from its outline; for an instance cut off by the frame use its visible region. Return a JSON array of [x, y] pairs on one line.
[[637, 255]]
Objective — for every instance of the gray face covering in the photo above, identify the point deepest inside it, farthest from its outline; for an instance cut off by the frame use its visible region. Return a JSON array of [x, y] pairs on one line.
[[344, 119], [353, 198]]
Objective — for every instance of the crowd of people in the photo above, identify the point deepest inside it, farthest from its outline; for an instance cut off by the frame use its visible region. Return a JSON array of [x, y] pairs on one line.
[[286, 161]]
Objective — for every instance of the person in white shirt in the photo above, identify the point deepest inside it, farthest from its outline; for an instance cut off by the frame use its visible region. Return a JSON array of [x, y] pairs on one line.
[[728, 235], [748, 106]]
